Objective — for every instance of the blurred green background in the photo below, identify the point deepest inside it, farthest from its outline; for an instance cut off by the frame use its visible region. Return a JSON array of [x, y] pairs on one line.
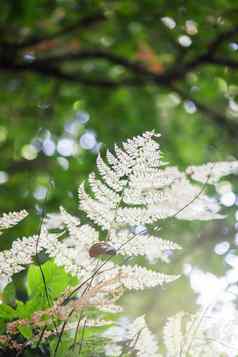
[[78, 76]]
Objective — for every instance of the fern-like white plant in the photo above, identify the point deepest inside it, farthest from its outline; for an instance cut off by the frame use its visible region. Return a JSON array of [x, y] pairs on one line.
[[11, 219], [207, 333], [132, 189], [134, 338]]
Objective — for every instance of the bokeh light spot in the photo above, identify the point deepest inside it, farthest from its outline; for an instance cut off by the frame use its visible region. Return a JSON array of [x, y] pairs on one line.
[[29, 152], [88, 140]]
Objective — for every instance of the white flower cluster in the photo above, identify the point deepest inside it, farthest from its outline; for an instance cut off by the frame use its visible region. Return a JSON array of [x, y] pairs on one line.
[[73, 252], [134, 337], [152, 247], [102, 213], [133, 188], [212, 172], [22, 251], [136, 188], [173, 337], [11, 219], [138, 278], [207, 333], [189, 202], [140, 154], [142, 341]]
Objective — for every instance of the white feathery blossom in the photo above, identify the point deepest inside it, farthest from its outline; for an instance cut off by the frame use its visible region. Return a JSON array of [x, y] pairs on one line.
[[133, 216], [138, 278], [173, 337], [151, 247], [71, 222], [10, 219], [121, 162], [141, 153], [102, 192], [109, 176], [212, 172], [113, 350], [142, 190], [134, 338], [206, 333], [73, 252], [146, 184], [74, 257], [22, 251], [53, 221], [135, 188], [142, 341], [99, 212], [101, 209], [183, 200]]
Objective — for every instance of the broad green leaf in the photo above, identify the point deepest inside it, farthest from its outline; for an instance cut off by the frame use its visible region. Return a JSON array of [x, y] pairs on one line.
[[9, 294], [26, 331], [52, 278], [25, 311], [2, 326], [7, 312]]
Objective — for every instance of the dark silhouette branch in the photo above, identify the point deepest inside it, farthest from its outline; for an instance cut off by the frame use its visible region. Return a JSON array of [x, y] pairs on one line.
[[218, 118], [83, 23], [94, 54], [175, 73], [55, 72], [138, 75], [144, 77], [38, 164], [225, 62], [48, 66], [220, 39], [178, 72]]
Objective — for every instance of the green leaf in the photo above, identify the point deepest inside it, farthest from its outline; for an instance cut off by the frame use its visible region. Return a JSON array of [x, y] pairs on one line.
[[24, 311], [2, 326], [9, 294], [7, 312], [26, 331], [56, 280]]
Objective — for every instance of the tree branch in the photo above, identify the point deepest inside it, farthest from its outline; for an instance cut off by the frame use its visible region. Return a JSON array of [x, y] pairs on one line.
[[139, 74], [220, 39], [40, 163], [221, 120], [219, 61], [79, 78], [81, 24], [178, 72], [93, 54]]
